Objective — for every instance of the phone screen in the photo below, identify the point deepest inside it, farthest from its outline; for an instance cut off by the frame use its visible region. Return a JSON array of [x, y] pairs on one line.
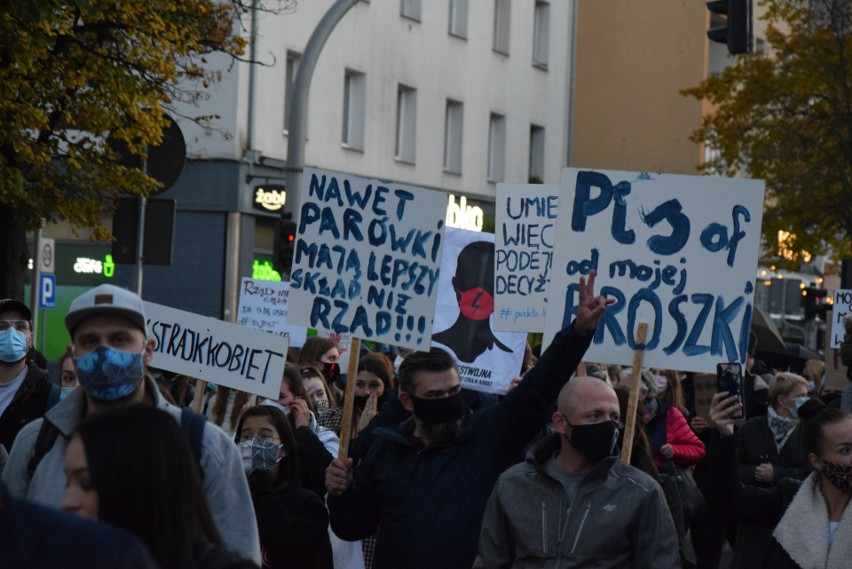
[[729, 379]]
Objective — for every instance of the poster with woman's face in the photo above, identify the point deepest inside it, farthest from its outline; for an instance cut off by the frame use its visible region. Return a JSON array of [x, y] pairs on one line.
[[464, 314]]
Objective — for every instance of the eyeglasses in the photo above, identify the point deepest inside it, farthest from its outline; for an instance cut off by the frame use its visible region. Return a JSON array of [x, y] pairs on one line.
[[262, 436], [19, 325]]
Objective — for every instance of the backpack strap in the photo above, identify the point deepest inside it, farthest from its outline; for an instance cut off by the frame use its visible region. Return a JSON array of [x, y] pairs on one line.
[[52, 397], [47, 434], [192, 425]]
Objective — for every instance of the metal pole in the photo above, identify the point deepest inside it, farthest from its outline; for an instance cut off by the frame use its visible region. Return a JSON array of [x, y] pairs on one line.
[[299, 100], [252, 78], [34, 286], [140, 233]]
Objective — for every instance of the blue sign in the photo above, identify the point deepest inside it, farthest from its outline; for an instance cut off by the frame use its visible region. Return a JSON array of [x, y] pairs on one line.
[[47, 292]]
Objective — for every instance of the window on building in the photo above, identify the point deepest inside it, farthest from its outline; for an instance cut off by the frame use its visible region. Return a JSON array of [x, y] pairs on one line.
[[496, 147], [541, 33], [292, 66], [453, 129], [410, 9], [536, 154], [354, 94], [502, 9], [406, 123], [458, 18]]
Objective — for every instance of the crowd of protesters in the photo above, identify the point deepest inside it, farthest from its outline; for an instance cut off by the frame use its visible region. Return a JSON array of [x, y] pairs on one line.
[[108, 465]]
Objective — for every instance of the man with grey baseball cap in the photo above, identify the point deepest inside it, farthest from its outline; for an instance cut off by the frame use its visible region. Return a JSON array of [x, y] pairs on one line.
[[111, 352]]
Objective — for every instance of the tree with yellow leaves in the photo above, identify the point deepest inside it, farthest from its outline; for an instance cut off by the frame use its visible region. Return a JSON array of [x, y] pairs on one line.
[[78, 72], [785, 115]]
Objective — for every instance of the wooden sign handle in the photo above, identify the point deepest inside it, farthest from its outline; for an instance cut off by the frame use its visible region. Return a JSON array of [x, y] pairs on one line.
[[581, 369], [633, 401], [349, 399], [200, 389]]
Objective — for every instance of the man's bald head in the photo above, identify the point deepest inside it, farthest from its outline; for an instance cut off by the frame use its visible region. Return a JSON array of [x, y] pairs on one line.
[[582, 389]]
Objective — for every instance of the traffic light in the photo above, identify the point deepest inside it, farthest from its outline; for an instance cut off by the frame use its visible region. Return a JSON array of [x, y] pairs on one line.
[[285, 245], [735, 28], [814, 302]]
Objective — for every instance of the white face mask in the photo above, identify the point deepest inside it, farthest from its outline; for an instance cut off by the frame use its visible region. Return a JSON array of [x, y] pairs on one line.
[[277, 405]]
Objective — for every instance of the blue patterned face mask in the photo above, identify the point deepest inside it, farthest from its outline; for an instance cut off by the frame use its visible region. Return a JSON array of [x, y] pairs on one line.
[[109, 374], [258, 455]]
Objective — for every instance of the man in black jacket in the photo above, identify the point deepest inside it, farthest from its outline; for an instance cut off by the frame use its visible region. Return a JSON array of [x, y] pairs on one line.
[[25, 390], [424, 483]]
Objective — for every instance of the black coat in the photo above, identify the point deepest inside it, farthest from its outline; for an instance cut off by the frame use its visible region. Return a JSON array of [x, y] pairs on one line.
[[763, 507], [29, 404], [292, 523], [757, 446]]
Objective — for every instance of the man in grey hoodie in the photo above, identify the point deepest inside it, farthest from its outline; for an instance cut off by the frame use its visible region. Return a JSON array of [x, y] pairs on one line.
[[111, 351], [572, 501]]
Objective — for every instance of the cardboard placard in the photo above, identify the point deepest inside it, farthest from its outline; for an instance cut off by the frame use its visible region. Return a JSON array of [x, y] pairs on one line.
[[216, 351], [367, 258], [677, 252]]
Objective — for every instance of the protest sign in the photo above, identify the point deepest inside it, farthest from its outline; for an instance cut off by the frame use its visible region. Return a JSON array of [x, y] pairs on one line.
[[263, 306], [841, 306], [677, 252], [525, 233], [367, 258], [464, 315], [215, 351], [835, 372]]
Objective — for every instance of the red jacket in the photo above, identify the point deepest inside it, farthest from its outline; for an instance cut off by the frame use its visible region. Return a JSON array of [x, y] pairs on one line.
[[688, 448]]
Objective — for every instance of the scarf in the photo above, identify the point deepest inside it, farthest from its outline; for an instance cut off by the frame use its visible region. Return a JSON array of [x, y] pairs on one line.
[[650, 410], [781, 427]]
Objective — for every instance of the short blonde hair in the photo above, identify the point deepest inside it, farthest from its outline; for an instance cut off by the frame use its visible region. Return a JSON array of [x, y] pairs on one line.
[[783, 383]]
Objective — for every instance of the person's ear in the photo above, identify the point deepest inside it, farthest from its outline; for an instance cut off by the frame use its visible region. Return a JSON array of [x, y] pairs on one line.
[[815, 462], [406, 401], [148, 354], [560, 425], [282, 452]]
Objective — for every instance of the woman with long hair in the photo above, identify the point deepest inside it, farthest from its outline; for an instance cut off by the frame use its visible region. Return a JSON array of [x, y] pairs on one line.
[[292, 521], [812, 527], [324, 351], [132, 467]]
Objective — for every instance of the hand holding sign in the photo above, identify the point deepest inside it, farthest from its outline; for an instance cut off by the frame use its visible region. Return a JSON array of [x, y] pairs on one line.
[[590, 307], [339, 476]]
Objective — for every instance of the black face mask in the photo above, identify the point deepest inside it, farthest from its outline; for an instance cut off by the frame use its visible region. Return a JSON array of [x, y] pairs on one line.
[[361, 401], [331, 372], [597, 441], [442, 410]]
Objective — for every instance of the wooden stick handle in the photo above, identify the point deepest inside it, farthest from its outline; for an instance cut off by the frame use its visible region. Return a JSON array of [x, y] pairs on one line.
[[633, 401], [349, 399], [200, 388]]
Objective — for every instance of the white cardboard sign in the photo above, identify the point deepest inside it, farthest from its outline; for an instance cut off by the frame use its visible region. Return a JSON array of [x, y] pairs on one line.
[[841, 307], [677, 252], [263, 306], [367, 257], [216, 351], [525, 234]]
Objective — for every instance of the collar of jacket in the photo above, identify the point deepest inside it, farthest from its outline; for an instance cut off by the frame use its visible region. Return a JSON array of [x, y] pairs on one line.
[[402, 434], [809, 549], [548, 446], [68, 413]]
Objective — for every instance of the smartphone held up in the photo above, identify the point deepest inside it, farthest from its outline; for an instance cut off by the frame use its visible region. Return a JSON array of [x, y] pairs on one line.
[[729, 379]]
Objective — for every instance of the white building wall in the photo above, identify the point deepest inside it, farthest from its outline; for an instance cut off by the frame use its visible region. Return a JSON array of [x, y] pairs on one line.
[[374, 39]]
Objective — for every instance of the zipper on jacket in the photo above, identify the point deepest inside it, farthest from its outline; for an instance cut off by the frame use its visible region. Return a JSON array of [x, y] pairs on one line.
[[580, 529], [544, 526]]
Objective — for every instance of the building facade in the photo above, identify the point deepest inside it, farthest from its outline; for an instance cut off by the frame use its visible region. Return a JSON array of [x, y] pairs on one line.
[[450, 95]]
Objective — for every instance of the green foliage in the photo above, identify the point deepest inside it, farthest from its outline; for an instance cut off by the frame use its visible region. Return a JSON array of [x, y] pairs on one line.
[[785, 115], [74, 73]]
